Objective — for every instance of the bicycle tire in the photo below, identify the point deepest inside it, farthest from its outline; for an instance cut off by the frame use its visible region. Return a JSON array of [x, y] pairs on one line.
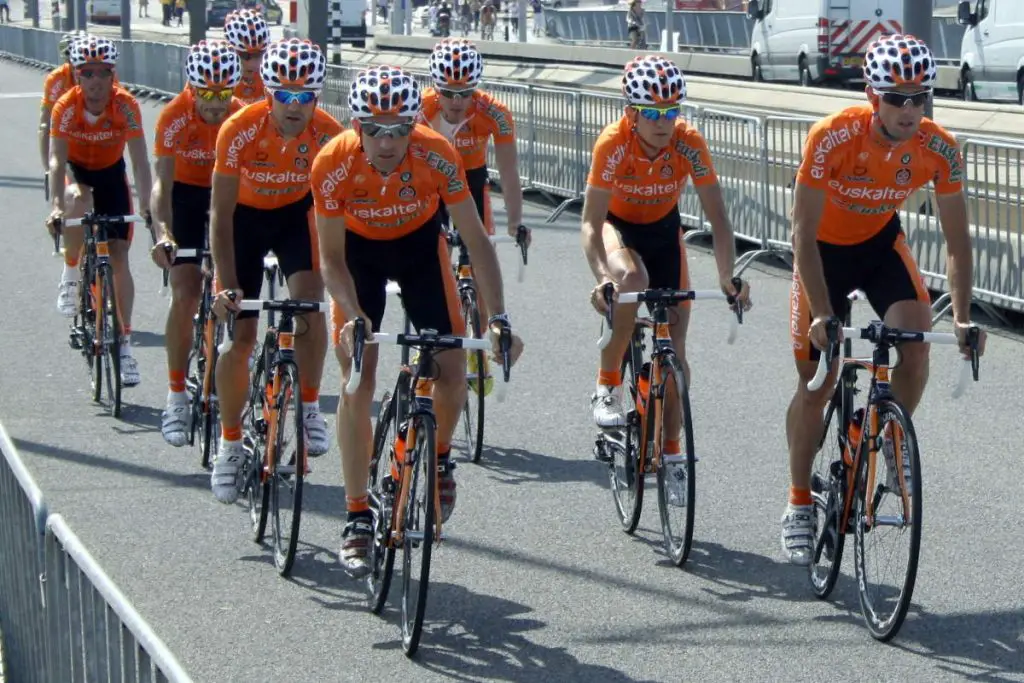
[[210, 427], [677, 551], [829, 497], [632, 468], [424, 454], [259, 483], [382, 553], [885, 629], [112, 341], [288, 474], [195, 366], [473, 412]]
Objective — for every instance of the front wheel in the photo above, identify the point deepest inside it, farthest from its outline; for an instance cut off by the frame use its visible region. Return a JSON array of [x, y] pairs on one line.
[[381, 489], [473, 411], [677, 488], [418, 530], [108, 333], [288, 467]]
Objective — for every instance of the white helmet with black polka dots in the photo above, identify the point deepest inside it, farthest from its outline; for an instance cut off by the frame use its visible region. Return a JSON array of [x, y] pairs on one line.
[[456, 61], [91, 50], [67, 40], [653, 80], [899, 60], [213, 64], [294, 63], [382, 91], [246, 30]]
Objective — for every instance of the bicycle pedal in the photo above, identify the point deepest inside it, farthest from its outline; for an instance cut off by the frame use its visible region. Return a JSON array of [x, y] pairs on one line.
[[75, 341], [601, 452]]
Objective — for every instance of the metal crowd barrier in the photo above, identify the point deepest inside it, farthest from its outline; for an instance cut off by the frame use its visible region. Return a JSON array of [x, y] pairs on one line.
[[756, 158], [62, 620]]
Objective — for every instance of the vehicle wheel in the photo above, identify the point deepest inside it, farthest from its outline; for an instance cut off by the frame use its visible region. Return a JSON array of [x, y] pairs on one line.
[[805, 75], [1020, 88], [755, 67], [967, 87]]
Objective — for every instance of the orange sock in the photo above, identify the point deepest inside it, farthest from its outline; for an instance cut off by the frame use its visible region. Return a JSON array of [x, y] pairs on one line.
[[360, 504], [671, 447], [70, 260], [443, 449], [609, 378], [798, 496], [176, 380], [310, 394], [231, 433]]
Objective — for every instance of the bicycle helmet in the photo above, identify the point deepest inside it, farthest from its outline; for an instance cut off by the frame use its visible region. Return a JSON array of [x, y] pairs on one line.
[[213, 64], [899, 60], [653, 80], [246, 30], [91, 50], [64, 46], [384, 90], [456, 62], [294, 62]]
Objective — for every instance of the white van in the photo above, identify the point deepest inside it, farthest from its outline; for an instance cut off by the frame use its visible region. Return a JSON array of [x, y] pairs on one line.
[[810, 41], [101, 11], [992, 50]]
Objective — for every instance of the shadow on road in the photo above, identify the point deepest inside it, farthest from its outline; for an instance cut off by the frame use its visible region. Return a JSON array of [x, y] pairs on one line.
[[520, 466], [147, 339]]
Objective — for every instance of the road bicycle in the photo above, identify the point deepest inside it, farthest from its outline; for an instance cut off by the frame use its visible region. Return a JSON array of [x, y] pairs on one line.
[[404, 470], [96, 328], [634, 451], [274, 467], [848, 494]]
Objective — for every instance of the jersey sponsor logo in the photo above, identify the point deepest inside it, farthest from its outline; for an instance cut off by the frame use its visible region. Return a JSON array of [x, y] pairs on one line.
[[467, 142], [376, 214], [795, 296], [611, 163], [833, 138], [197, 154], [951, 153], [66, 118], [278, 178], [903, 176], [455, 186], [874, 194], [238, 143], [171, 132], [407, 192], [435, 160], [500, 118], [700, 169], [652, 189], [331, 204], [666, 171], [128, 111], [334, 178]]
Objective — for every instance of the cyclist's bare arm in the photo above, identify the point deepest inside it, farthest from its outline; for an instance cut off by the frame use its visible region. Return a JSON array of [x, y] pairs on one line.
[[140, 169], [337, 277], [161, 203], [486, 269], [725, 244], [808, 208], [959, 261], [58, 167], [511, 188], [595, 211], [44, 136], [223, 200]]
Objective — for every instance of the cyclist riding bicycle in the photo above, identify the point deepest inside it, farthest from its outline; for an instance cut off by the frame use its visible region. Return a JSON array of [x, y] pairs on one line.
[[261, 202], [378, 189], [859, 167], [55, 84], [186, 133], [632, 230], [248, 33], [91, 125]]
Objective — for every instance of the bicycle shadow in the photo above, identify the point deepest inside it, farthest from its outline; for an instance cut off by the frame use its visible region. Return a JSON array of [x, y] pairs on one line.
[[144, 339], [521, 466], [470, 636], [146, 419], [740, 576]]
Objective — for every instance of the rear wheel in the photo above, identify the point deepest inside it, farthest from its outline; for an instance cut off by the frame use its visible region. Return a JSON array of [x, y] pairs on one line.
[[473, 411], [257, 483], [626, 474], [677, 489], [210, 415], [418, 531], [828, 494]]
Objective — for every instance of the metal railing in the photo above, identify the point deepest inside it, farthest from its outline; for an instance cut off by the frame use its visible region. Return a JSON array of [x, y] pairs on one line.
[[756, 158], [62, 619]]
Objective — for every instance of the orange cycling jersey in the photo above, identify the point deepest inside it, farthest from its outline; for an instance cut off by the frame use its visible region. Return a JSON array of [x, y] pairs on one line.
[[645, 190], [57, 82], [387, 207], [273, 171], [867, 180], [250, 90], [485, 117], [182, 134], [96, 143]]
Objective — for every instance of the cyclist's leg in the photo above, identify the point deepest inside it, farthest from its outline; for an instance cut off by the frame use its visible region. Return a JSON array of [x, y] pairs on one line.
[[232, 374], [77, 201], [298, 253], [664, 254], [366, 261], [627, 269], [188, 215], [431, 299]]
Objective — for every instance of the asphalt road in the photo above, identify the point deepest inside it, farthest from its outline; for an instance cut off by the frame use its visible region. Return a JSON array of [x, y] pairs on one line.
[[536, 581]]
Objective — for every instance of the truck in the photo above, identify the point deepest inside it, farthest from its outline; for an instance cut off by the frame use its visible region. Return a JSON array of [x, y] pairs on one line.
[[817, 41], [992, 50]]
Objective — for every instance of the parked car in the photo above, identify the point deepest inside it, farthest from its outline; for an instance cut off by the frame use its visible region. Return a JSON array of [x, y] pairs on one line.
[[104, 11], [217, 11]]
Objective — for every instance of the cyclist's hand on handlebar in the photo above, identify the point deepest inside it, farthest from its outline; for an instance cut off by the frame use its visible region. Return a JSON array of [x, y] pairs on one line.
[[729, 289], [818, 332], [513, 231], [163, 252], [597, 296], [515, 349], [222, 303], [962, 330], [348, 333], [53, 220]]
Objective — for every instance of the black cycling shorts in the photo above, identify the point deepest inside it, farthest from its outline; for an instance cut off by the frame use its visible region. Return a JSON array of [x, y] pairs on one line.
[[111, 195], [882, 267], [479, 188], [419, 263], [288, 231], [660, 247], [189, 207]]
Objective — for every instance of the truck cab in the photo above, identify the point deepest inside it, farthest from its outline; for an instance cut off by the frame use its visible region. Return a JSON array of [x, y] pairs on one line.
[[992, 50]]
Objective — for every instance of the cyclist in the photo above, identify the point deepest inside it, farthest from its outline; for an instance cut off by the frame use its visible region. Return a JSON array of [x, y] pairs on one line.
[[632, 230], [91, 125], [457, 108], [56, 83], [248, 33], [377, 190], [261, 202], [185, 135], [859, 166]]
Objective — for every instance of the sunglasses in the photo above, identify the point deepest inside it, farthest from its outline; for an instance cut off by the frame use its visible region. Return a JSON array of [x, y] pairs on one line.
[[208, 95], [387, 130], [899, 99], [288, 96], [88, 74], [656, 113], [450, 94]]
